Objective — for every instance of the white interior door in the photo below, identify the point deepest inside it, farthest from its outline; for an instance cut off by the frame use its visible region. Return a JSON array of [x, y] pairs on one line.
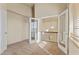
[[63, 31], [3, 30]]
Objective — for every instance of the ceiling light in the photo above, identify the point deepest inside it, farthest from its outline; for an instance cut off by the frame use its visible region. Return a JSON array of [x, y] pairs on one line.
[[47, 30], [52, 27]]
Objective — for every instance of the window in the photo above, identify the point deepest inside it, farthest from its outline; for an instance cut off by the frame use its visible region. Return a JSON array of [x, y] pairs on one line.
[[76, 26]]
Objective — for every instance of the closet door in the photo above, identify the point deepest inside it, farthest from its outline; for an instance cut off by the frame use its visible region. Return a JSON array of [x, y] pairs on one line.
[[63, 31]]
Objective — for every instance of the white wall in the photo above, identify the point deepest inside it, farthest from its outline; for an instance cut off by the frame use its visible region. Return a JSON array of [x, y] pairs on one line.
[[16, 28]]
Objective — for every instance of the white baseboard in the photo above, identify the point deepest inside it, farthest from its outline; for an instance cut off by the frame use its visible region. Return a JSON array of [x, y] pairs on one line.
[[17, 42]]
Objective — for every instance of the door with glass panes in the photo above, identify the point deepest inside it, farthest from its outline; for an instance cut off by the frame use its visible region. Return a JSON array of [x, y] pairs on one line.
[[33, 30]]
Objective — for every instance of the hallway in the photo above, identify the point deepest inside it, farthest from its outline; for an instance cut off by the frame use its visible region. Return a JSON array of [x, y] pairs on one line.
[[24, 48]]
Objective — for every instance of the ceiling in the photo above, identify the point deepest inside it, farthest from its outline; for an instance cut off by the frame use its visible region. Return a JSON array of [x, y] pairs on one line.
[[52, 4], [28, 4], [47, 9]]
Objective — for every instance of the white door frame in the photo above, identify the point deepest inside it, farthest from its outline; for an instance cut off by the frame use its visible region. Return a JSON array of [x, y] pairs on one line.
[[3, 30], [37, 40], [65, 50]]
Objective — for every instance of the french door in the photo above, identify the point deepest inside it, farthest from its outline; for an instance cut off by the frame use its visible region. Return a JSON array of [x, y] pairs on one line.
[[33, 30], [63, 31]]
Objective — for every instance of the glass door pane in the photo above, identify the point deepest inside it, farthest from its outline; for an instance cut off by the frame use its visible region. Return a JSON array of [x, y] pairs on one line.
[[33, 29]]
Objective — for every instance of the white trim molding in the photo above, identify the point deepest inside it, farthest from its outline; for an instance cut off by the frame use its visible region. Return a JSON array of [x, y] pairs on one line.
[[49, 16]]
